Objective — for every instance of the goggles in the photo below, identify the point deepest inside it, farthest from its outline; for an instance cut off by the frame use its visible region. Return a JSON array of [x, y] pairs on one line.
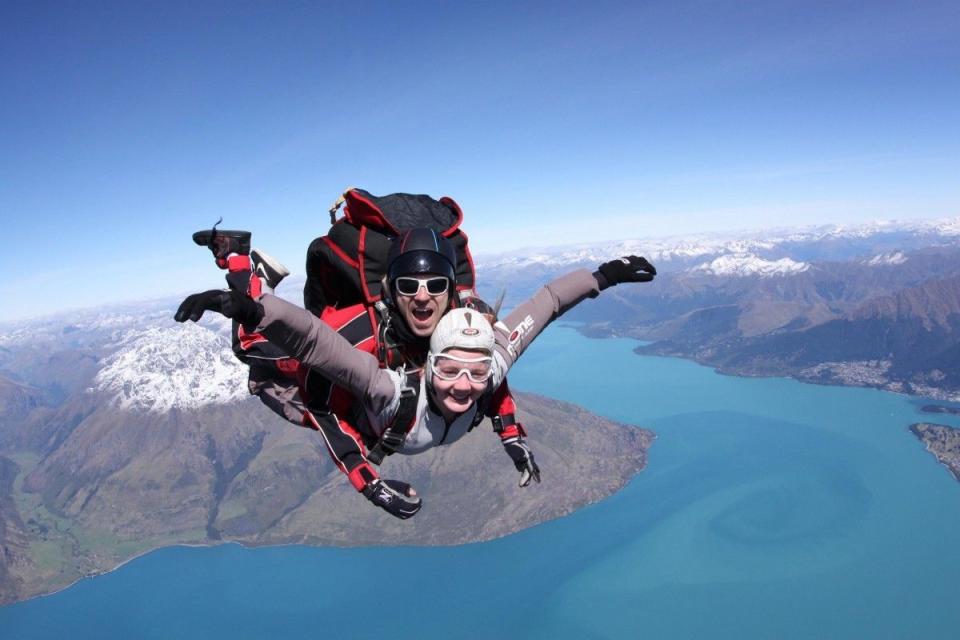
[[408, 286], [450, 368]]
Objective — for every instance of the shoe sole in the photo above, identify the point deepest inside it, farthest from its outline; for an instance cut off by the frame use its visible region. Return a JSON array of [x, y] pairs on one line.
[[202, 238], [268, 267]]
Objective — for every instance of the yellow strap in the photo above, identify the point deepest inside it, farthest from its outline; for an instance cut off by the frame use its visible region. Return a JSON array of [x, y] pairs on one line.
[[339, 203]]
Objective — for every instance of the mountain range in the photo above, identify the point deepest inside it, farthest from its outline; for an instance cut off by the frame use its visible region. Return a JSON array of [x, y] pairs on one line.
[[872, 305]]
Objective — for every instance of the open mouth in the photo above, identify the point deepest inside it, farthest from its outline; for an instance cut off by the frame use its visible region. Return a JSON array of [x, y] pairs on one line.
[[422, 315]]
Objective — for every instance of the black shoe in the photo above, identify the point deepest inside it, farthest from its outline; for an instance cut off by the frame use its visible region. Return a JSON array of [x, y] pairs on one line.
[[223, 242], [269, 268]]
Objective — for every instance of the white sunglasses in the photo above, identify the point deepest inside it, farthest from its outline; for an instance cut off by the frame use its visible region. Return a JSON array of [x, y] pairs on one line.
[[409, 286]]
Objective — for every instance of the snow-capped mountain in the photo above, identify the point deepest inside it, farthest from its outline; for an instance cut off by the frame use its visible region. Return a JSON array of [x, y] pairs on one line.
[[164, 368], [895, 258], [125, 350], [745, 264]]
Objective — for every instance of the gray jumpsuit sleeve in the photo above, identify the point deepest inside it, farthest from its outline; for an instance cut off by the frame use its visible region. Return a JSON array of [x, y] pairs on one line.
[[515, 333], [311, 341]]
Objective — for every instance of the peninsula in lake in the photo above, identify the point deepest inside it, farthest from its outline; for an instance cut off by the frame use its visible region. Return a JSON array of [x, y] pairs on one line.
[[122, 435], [943, 442]]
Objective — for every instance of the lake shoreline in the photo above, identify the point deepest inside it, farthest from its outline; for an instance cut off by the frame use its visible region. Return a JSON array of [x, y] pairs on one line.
[[848, 381]]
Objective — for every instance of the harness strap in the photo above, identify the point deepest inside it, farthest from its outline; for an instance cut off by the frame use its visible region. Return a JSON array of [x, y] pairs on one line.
[[502, 421], [483, 403], [396, 432], [382, 327]]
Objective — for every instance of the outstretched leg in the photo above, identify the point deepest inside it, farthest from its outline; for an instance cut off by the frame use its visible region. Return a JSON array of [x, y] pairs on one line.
[[273, 374]]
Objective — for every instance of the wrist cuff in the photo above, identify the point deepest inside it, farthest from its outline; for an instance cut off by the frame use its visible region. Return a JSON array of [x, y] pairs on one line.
[[602, 281], [515, 430], [361, 475]]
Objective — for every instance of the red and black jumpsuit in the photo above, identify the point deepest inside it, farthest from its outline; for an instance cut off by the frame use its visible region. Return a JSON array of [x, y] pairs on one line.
[[308, 399]]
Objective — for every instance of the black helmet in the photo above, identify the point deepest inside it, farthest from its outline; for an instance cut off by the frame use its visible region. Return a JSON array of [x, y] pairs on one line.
[[421, 251]]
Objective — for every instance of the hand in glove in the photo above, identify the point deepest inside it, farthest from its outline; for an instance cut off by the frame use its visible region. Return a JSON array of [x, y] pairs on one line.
[[522, 457], [231, 304], [393, 496], [627, 269]]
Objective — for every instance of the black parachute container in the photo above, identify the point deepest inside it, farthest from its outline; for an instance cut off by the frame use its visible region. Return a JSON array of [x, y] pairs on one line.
[[346, 266]]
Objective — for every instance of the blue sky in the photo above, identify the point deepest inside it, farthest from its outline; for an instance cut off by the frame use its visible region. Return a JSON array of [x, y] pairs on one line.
[[127, 126]]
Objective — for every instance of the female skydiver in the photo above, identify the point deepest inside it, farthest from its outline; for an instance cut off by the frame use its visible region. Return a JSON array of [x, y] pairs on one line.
[[467, 360]]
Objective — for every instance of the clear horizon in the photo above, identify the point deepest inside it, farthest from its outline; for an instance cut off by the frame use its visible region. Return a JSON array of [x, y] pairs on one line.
[[213, 277], [127, 126]]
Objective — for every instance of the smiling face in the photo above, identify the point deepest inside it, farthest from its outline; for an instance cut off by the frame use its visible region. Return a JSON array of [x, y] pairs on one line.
[[458, 395], [423, 310]]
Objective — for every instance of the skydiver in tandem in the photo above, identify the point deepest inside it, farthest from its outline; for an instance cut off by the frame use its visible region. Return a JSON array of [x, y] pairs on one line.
[[467, 360], [395, 327]]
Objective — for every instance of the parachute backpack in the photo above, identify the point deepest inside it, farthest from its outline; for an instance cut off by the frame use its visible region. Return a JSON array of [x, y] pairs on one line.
[[346, 266]]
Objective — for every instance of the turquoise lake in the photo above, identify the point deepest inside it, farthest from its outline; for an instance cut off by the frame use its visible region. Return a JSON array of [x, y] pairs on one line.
[[769, 509]]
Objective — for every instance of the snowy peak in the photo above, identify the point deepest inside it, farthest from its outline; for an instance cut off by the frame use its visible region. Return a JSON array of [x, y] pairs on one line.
[[885, 259], [750, 265], [164, 368]]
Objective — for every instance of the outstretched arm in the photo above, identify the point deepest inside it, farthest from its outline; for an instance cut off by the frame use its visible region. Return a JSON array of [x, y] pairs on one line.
[[515, 333], [306, 338], [525, 323]]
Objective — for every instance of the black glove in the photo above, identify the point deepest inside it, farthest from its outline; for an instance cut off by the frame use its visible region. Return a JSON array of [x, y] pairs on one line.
[[393, 496], [627, 269], [522, 457], [232, 304]]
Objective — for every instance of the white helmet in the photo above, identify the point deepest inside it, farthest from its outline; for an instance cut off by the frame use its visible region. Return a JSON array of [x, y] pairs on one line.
[[462, 329]]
